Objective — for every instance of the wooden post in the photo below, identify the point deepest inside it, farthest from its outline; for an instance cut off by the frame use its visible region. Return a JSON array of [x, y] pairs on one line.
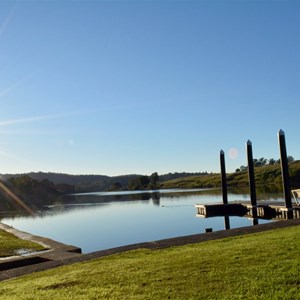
[[251, 174], [227, 222], [223, 177], [285, 171]]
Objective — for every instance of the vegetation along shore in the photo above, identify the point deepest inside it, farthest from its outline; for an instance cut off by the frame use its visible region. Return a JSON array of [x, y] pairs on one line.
[[33, 188]]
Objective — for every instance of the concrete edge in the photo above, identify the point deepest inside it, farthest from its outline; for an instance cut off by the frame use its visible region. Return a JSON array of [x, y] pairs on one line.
[[45, 242], [54, 250], [154, 245]]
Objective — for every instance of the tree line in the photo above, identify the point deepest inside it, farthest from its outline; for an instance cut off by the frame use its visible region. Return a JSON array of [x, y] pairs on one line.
[[138, 183], [96, 183], [260, 162], [142, 182]]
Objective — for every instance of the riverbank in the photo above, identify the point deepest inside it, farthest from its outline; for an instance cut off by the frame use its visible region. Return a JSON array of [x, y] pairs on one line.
[[21, 251], [155, 245], [11, 245], [268, 178], [229, 264]]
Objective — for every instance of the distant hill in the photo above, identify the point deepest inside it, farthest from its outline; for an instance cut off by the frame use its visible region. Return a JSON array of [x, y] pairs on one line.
[[19, 192], [94, 183], [266, 176], [59, 177], [38, 189]]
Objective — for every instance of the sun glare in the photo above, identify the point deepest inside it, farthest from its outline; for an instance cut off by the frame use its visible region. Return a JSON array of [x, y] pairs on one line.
[[16, 199], [233, 153]]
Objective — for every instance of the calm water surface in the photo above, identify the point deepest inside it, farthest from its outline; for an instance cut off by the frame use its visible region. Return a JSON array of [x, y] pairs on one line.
[[97, 221]]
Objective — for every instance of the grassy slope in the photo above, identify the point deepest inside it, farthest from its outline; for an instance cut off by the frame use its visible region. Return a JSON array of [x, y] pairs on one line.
[[266, 175], [10, 244], [256, 266]]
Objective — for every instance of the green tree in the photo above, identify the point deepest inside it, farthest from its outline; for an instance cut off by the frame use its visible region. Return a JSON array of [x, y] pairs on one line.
[[138, 183], [262, 161], [116, 186], [132, 184], [154, 179], [22, 183], [144, 181], [243, 168], [272, 161]]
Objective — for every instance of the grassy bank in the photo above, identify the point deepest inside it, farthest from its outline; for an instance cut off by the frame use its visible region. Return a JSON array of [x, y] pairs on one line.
[[265, 176], [255, 266], [11, 245]]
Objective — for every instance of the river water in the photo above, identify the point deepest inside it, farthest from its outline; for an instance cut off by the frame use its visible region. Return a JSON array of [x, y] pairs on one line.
[[97, 221]]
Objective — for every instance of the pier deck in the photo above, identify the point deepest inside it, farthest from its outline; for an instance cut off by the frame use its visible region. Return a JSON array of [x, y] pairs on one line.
[[264, 210]]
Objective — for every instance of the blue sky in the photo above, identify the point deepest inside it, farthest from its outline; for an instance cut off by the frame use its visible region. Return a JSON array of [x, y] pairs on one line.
[[122, 87]]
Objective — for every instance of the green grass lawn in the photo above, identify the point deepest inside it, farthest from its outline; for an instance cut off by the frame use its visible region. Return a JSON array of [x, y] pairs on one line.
[[255, 266], [11, 245]]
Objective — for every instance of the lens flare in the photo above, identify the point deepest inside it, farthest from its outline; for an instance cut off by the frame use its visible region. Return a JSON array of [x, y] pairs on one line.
[[233, 153], [16, 199]]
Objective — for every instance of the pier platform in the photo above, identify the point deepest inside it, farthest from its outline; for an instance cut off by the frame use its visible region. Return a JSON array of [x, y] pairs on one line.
[[264, 210]]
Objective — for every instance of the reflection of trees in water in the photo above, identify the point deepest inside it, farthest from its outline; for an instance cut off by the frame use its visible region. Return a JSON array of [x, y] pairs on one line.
[[67, 208], [155, 198], [262, 189], [9, 207], [271, 192], [61, 203], [112, 198], [191, 193]]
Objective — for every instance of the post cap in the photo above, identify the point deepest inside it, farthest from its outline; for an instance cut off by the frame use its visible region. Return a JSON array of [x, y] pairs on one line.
[[249, 143], [281, 132], [222, 152]]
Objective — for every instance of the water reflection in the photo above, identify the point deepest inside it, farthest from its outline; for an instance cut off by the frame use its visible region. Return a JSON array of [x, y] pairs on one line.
[[97, 221], [227, 222]]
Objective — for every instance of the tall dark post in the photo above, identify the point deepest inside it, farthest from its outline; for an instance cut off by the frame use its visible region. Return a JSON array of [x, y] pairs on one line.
[[251, 173], [285, 170], [223, 177]]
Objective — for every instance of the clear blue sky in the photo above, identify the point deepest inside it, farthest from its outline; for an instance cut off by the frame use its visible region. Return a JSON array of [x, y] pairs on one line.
[[122, 87]]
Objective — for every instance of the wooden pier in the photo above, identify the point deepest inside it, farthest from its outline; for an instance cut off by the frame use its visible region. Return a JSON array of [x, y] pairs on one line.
[[255, 209], [267, 211]]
